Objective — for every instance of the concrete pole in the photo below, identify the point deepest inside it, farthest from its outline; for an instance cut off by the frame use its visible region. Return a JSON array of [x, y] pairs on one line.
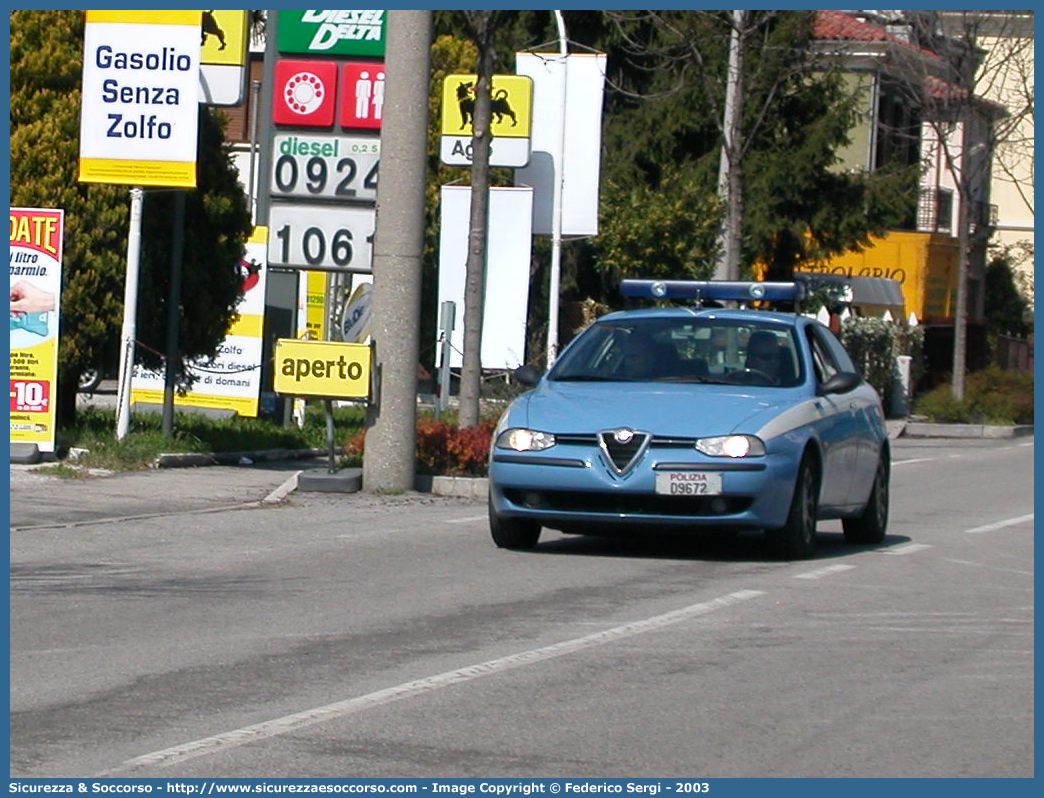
[[388, 461]]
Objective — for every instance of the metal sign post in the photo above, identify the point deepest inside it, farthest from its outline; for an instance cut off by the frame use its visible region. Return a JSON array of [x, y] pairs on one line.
[[130, 313], [446, 326]]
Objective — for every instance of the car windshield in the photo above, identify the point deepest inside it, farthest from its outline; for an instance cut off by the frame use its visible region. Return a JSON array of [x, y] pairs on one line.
[[707, 350]]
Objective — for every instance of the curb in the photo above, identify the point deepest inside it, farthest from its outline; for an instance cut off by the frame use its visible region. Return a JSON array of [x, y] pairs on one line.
[[921, 429], [465, 487], [193, 460]]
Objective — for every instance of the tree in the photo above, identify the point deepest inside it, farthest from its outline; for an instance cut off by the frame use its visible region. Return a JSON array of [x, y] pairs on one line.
[[965, 131], [665, 121], [46, 66], [1007, 311]]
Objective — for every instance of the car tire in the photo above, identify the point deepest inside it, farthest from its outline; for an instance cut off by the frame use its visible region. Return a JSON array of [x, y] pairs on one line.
[[796, 539], [90, 379], [870, 526], [513, 533]]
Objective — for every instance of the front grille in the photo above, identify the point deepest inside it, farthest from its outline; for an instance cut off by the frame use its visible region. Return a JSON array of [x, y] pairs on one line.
[[579, 439], [634, 504], [623, 447]]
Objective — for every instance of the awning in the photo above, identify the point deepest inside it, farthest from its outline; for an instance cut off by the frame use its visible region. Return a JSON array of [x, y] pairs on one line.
[[878, 291]]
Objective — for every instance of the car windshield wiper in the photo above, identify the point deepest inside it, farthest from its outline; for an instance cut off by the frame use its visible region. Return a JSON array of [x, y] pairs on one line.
[[582, 378], [707, 380]]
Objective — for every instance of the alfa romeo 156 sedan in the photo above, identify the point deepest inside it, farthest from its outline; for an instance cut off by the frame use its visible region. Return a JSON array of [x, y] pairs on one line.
[[695, 418]]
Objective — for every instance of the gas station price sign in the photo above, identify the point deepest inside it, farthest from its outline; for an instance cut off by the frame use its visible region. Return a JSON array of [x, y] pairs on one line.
[[325, 166], [322, 237]]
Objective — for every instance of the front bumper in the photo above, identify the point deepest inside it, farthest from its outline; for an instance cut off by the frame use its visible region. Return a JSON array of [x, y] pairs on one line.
[[573, 486]]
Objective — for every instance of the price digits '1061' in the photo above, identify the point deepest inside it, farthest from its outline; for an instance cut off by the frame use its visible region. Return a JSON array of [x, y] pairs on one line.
[[315, 247]]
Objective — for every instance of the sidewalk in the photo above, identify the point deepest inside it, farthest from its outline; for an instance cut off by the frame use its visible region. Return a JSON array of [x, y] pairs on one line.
[[39, 499], [910, 428]]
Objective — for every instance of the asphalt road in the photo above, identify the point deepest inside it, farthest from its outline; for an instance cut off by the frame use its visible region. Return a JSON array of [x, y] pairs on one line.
[[366, 636]]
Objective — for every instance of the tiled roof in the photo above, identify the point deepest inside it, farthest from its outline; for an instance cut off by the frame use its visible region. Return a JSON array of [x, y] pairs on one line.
[[839, 26]]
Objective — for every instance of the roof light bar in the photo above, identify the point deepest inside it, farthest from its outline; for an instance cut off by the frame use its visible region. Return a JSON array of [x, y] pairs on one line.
[[735, 290]]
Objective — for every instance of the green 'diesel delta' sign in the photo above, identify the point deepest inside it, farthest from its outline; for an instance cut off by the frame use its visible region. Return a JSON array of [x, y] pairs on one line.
[[324, 32]]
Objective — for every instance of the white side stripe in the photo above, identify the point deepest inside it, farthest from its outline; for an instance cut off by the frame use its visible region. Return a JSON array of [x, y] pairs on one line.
[[340, 709], [1000, 524]]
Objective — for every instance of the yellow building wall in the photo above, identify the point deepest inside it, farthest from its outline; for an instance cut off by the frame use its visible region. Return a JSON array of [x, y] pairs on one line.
[[924, 264]]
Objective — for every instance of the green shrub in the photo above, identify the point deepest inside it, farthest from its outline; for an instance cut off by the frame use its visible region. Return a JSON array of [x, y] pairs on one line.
[[991, 396], [95, 430], [874, 344]]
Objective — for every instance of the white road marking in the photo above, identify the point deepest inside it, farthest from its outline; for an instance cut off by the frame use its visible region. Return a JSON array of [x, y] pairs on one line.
[[914, 460], [340, 709], [467, 520], [821, 572], [909, 548], [1000, 524], [1019, 571]]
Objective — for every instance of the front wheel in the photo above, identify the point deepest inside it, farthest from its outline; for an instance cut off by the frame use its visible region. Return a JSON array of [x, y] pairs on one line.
[[870, 526], [796, 539], [513, 533]]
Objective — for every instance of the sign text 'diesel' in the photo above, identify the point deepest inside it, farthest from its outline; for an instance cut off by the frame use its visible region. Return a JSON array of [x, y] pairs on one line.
[[325, 166]]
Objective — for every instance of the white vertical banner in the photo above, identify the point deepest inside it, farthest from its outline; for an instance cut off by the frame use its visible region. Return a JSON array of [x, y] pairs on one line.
[[508, 247], [582, 109]]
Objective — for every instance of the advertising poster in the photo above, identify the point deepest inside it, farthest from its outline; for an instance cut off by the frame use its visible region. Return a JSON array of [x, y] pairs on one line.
[[140, 109], [36, 280], [232, 379]]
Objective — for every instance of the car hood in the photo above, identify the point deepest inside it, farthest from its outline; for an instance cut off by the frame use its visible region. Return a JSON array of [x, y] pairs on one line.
[[677, 410]]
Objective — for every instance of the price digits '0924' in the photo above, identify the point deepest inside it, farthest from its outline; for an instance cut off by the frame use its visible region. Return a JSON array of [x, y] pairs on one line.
[[291, 173]]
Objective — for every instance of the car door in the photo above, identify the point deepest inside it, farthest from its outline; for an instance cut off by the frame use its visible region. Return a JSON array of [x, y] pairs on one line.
[[836, 426], [867, 426]]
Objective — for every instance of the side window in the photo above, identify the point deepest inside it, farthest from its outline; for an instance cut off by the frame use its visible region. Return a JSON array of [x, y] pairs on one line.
[[844, 362], [823, 359]]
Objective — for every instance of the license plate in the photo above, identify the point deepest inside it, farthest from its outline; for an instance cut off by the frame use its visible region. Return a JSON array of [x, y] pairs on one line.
[[688, 483]]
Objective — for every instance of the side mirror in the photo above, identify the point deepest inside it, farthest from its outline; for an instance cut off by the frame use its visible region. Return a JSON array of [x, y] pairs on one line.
[[528, 375], [842, 382]]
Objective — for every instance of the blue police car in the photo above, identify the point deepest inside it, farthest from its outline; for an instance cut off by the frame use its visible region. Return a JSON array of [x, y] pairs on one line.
[[694, 417]]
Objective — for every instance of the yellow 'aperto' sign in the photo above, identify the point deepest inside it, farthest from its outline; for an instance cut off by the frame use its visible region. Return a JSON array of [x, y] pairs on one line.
[[322, 368], [512, 105]]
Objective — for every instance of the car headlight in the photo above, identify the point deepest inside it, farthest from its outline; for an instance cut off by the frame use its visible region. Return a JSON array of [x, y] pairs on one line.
[[525, 440], [731, 446]]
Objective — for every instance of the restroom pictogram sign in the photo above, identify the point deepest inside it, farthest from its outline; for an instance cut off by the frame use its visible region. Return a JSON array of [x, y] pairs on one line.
[[304, 93], [362, 94]]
